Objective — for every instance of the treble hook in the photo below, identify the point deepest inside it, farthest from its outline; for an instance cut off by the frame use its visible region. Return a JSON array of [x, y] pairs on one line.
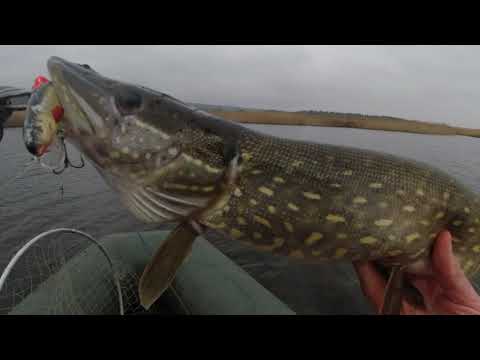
[[67, 162]]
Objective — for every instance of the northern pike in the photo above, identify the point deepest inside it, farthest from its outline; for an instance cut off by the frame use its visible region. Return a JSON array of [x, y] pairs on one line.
[[172, 163]]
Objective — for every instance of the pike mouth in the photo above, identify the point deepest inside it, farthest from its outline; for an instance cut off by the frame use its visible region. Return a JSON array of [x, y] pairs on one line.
[[80, 92]]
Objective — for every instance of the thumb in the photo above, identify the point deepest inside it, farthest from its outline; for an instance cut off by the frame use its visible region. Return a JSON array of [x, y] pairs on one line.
[[447, 269]]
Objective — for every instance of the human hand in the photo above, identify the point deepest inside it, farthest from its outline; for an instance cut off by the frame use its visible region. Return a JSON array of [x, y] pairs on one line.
[[447, 291]]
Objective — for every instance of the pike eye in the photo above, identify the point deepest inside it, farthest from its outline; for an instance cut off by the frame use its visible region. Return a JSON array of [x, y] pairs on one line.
[[128, 102]]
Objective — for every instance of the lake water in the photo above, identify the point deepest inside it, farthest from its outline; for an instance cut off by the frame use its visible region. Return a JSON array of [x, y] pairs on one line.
[[33, 204]]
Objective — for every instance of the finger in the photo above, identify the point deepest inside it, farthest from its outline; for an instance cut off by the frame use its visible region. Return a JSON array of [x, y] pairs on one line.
[[372, 282], [429, 288], [446, 267]]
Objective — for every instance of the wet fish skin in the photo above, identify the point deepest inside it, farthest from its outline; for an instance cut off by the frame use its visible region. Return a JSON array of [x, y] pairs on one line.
[[311, 202]]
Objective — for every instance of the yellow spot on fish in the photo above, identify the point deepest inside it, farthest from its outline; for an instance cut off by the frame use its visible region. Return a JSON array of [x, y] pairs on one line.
[[293, 207], [375, 185], [288, 226], [253, 202], [439, 215], [175, 186], [257, 235], [471, 230], [277, 243], [256, 172], [297, 163], [236, 233], [425, 222], [420, 192], [313, 238], [316, 252], [335, 218], [412, 237], [359, 200], [265, 190], [468, 265], [368, 240], [458, 222], [241, 221], [125, 150], [395, 252], [476, 248], [418, 253], [187, 157], [383, 222], [311, 196], [215, 226], [271, 209], [341, 235], [211, 169], [467, 210], [279, 180], [409, 208], [298, 254], [348, 172], [340, 252], [208, 188], [382, 204], [237, 192], [246, 156], [262, 221]]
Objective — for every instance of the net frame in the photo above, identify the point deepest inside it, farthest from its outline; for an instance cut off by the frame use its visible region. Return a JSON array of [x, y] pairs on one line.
[[6, 272]]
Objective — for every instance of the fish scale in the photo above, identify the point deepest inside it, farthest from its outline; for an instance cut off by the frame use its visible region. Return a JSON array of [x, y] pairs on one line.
[[375, 177]]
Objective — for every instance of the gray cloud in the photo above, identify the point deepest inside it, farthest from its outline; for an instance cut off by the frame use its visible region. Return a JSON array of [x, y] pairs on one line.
[[432, 83]]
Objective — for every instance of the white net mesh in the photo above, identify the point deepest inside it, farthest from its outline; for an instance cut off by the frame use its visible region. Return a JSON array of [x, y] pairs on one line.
[[66, 273]]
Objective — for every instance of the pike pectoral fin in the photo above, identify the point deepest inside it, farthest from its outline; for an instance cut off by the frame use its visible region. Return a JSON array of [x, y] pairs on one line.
[[392, 302], [161, 270]]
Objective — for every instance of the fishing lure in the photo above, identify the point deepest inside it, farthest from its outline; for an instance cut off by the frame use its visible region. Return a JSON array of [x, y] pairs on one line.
[[44, 112], [42, 130]]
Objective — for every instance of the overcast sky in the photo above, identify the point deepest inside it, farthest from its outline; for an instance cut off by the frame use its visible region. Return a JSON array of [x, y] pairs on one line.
[[430, 83]]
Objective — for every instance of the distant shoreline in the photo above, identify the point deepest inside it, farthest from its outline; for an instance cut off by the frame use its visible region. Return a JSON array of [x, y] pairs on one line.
[[344, 120], [323, 119]]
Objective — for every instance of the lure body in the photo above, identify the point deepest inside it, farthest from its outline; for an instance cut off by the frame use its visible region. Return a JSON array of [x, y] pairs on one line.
[[42, 118]]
